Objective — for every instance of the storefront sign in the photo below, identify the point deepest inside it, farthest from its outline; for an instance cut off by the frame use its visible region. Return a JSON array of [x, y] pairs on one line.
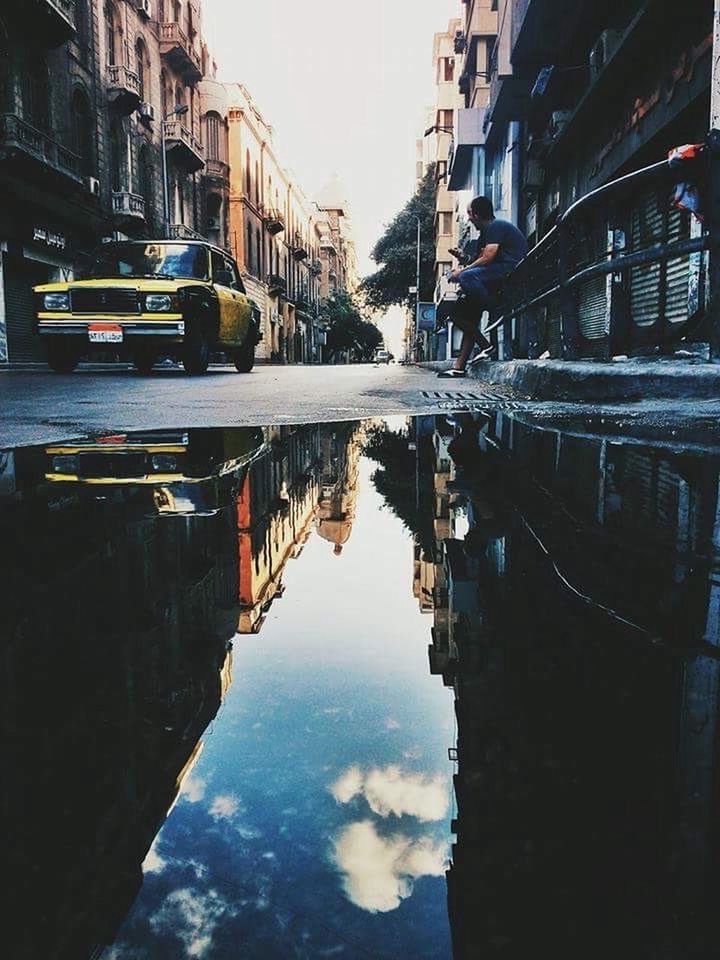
[[49, 238], [426, 316]]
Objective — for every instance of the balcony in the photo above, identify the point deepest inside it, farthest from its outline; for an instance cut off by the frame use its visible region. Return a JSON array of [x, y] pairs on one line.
[[184, 148], [123, 89], [178, 231], [217, 171], [274, 221], [128, 210], [276, 285], [299, 251], [179, 52], [56, 20], [316, 268], [19, 140], [467, 137]]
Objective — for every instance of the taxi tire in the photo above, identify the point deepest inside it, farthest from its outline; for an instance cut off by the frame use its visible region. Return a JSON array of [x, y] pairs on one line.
[[244, 356], [196, 351], [63, 357]]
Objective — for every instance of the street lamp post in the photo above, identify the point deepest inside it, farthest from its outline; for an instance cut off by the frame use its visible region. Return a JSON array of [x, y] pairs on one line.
[[416, 330], [177, 112]]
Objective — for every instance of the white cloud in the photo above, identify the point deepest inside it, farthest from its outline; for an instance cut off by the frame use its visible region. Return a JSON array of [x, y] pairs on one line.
[[192, 918], [392, 724], [388, 790], [379, 872], [153, 862], [193, 789], [224, 807]]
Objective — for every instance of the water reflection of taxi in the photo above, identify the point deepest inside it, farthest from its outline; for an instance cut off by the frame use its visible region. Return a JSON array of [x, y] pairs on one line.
[[176, 465], [146, 299]]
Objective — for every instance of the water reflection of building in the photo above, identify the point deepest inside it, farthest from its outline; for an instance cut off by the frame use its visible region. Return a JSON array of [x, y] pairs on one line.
[[335, 513], [115, 630], [581, 627]]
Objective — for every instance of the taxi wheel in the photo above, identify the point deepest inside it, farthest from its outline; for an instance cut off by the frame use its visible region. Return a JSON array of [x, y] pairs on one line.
[[196, 350], [63, 357], [144, 362], [244, 356]]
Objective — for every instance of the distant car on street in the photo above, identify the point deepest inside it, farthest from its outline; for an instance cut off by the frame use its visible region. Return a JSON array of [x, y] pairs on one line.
[[383, 356], [150, 299]]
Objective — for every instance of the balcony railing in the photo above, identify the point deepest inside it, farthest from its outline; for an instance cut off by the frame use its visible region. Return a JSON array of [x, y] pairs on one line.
[[128, 206], [188, 150], [123, 88], [179, 51], [299, 251], [57, 20], [217, 170], [618, 273], [178, 231], [316, 268], [276, 284], [18, 136], [274, 221]]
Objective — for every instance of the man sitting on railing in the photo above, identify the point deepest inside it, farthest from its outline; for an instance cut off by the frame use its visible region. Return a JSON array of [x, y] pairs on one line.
[[501, 247]]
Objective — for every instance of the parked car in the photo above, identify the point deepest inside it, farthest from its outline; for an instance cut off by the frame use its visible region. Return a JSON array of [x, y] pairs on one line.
[[145, 299], [383, 356]]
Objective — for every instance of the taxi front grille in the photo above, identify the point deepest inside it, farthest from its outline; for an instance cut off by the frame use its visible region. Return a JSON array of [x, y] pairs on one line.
[[123, 466], [111, 300]]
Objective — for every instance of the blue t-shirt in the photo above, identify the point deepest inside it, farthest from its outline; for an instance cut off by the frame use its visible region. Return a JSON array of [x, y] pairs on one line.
[[512, 243]]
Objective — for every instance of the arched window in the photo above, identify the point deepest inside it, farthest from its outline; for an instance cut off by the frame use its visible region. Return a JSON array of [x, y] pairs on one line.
[[248, 250], [36, 92], [111, 37], [165, 93], [179, 96], [5, 74], [116, 156], [257, 184], [178, 11], [248, 175], [82, 23], [179, 201], [145, 181], [258, 251], [161, 11], [212, 136], [141, 67], [83, 131]]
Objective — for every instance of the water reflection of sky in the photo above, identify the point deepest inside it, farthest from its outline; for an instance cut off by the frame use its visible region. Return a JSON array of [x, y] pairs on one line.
[[315, 821]]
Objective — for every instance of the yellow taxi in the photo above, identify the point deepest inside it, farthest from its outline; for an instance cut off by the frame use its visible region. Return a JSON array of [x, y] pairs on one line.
[[145, 299]]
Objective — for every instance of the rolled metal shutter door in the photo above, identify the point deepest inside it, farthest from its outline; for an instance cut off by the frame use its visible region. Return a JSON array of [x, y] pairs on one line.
[[677, 294], [646, 229], [20, 277]]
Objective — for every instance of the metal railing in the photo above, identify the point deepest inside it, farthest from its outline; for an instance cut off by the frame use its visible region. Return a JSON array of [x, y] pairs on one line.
[[127, 204], [172, 36], [122, 78], [177, 132], [178, 231], [18, 134], [620, 271]]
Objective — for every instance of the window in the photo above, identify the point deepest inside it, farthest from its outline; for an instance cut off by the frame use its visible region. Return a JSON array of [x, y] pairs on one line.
[[110, 35], [178, 11], [446, 224], [36, 93], [179, 96], [248, 176], [257, 183], [218, 264], [235, 282], [116, 144], [140, 66], [5, 74], [258, 251], [164, 93], [248, 250], [83, 130], [447, 69], [145, 180], [212, 136], [161, 11], [445, 120]]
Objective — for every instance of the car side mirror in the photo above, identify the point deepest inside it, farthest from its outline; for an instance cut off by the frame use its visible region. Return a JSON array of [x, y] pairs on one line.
[[223, 277]]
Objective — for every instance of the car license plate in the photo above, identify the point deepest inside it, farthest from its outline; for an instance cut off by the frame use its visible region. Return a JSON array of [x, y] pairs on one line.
[[105, 333]]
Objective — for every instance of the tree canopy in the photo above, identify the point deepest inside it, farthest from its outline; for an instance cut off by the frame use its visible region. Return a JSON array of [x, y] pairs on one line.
[[396, 252], [348, 330]]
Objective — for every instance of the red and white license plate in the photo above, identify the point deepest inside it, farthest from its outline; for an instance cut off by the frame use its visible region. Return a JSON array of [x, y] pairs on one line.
[[105, 333]]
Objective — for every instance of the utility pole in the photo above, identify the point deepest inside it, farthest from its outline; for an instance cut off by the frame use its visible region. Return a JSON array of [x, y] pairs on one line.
[[714, 200], [417, 284]]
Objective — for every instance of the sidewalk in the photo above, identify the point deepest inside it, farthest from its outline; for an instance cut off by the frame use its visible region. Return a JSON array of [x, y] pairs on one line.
[[597, 381]]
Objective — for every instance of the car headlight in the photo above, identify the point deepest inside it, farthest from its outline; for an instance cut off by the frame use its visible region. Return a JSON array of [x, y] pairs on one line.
[[158, 303], [56, 301], [164, 463], [65, 463]]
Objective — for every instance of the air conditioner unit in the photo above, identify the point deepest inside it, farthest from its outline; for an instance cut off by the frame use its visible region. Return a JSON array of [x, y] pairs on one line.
[[144, 8], [560, 119], [606, 45], [93, 185], [146, 112]]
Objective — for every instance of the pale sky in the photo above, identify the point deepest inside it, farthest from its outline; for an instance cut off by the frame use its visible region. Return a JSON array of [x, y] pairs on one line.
[[344, 84]]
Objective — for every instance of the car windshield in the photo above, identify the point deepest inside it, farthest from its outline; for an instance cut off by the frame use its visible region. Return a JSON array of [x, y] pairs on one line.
[[185, 260]]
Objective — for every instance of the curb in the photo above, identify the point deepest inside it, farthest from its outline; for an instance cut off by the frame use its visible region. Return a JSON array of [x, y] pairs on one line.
[[595, 381]]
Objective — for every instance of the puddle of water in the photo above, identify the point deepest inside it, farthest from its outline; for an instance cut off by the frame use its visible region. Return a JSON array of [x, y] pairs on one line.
[[225, 735]]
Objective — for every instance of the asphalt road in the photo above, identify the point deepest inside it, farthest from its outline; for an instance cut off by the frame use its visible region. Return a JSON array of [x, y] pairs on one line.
[[39, 406]]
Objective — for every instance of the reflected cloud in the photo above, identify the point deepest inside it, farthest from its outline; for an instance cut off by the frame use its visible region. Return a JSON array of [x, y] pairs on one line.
[[193, 789], [389, 791], [379, 872], [192, 918], [224, 807]]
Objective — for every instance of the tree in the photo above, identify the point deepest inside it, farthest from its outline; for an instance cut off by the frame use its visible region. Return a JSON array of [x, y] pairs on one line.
[[396, 252], [347, 330]]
